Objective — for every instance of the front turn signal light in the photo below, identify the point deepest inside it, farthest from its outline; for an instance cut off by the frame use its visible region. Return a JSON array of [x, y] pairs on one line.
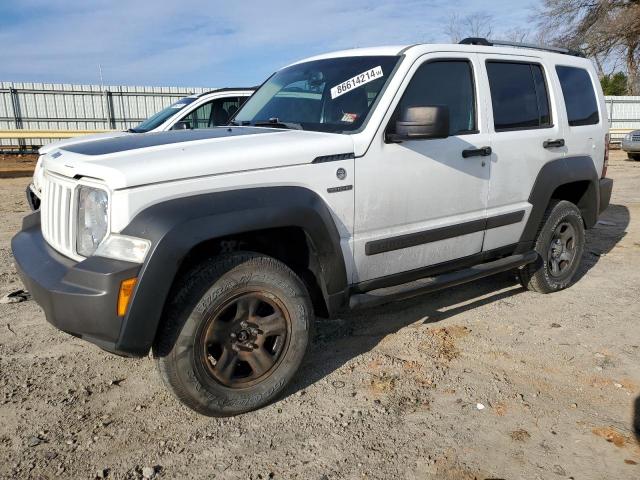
[[126, 290]]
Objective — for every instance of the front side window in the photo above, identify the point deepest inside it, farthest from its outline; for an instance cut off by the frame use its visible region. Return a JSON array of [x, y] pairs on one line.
[[162, 116], [211, 114], [200, 117], [446, 83], [518, 96], [579, 97], [330, 95]]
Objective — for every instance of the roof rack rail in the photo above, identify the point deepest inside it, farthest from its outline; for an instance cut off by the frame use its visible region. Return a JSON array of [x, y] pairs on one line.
[[503, 43]]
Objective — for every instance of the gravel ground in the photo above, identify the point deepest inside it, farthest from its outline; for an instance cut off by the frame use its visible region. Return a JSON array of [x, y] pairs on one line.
[[481, 381]]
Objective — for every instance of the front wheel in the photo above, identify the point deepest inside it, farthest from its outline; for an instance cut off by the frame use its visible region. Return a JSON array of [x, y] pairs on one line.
[[234, 334], [559, 244], [633, 156]]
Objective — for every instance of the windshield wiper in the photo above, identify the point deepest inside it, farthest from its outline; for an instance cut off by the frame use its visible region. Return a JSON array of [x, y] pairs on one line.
[[275, 123], [135, 130]]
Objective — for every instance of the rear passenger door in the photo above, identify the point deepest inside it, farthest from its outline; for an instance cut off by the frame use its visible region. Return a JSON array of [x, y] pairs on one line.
[[525, 134]]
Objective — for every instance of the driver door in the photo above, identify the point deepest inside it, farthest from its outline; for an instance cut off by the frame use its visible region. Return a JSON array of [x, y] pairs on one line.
[[420, 203]]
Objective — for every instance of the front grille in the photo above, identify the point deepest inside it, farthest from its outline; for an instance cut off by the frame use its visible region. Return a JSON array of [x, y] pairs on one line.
[[635, 137], [56, 212]]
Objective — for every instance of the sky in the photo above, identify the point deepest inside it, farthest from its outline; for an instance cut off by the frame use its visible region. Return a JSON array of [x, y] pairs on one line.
[[213, 43]]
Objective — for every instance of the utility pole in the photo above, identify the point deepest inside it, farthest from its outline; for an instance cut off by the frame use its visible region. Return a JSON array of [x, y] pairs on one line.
[[101, 80]]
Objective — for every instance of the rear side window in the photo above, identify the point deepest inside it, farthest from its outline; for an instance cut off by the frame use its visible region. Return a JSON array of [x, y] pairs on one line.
[[518, 96], [579, 97]]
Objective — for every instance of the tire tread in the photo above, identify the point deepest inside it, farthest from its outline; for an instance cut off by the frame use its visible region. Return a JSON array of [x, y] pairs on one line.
[[185, 289], [533, 276]]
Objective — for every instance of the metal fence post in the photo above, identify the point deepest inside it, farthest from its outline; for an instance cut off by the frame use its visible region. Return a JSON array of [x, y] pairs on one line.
[[611, 113], [17, 116], [108, 99]]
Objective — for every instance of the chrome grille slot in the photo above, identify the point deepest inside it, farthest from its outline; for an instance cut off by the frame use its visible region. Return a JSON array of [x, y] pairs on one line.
[[636, 137], [55, 213]]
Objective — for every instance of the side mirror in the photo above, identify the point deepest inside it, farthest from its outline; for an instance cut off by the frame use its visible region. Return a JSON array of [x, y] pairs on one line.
[[417, 123], [182, 125]]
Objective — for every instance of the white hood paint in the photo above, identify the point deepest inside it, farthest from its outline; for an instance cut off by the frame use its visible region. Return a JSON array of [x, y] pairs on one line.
[[49, 147], [199, 158]]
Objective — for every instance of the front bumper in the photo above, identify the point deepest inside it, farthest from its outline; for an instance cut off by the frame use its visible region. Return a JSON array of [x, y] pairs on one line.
[[79, 298], [606, 186], [32, 198]]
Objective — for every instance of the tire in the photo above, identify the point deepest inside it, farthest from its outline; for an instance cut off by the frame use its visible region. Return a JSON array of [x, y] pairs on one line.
[[633, 156], [213, 362], [559, 244]]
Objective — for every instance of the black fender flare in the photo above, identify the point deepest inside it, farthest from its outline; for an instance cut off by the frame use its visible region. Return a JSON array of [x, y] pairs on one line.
[[176, 226], [555, 174]]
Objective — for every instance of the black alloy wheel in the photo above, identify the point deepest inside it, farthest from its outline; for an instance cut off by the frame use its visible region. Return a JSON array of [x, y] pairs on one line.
[[562, 249], [243, 340]]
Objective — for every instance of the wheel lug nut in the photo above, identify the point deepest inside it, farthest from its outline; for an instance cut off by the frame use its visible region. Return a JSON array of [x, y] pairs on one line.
[[233, 335], [244, 324]]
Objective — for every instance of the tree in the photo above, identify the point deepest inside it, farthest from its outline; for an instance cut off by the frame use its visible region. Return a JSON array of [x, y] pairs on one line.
[[606, 30], [473, 25], [517, 35], [615, 84]]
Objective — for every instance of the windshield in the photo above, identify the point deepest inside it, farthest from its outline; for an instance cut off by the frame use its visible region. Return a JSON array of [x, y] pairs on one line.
[[331, 95], [160, 117]]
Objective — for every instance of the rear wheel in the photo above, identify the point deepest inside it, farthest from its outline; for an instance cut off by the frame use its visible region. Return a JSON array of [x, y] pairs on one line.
[[234, 334], [559, 244]]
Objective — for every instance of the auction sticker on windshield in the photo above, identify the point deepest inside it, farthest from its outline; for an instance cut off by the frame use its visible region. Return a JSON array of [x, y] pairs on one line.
[[357, 81]]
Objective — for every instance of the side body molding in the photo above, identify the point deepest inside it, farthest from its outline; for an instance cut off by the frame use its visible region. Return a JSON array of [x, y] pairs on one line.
[[176, 226], [554, 175]]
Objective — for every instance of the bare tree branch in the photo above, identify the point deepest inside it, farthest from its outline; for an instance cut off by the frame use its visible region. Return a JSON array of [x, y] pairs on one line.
[[476, 24], [606, 30]]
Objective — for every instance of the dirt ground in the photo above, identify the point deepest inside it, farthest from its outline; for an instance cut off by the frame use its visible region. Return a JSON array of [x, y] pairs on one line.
[[15, 165], [483, 381]]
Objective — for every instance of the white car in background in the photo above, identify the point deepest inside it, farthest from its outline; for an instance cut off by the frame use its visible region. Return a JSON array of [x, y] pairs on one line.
[[631, 145], [201, 110]]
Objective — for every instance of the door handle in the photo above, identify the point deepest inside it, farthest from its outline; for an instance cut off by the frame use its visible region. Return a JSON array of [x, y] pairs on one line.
[[553, 143], [476, 152]]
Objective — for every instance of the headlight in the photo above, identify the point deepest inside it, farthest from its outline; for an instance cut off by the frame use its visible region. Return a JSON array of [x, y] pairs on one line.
[[123, 247], [92, 219], [627, 137]]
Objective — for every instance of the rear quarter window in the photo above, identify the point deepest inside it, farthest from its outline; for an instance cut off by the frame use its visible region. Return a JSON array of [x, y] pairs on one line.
[[579, 96]]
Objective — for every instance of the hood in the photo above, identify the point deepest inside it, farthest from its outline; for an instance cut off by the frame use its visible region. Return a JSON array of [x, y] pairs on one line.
[[49, 147], [135, 160]]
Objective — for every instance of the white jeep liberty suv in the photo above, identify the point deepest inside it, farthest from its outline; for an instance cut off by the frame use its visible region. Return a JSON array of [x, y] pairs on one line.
[[347, 180]]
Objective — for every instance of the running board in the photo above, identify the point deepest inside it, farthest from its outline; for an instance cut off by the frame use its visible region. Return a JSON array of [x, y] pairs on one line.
[[438, 282]]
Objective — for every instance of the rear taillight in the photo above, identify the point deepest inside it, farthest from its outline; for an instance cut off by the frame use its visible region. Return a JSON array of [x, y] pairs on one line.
[[605, 164]]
